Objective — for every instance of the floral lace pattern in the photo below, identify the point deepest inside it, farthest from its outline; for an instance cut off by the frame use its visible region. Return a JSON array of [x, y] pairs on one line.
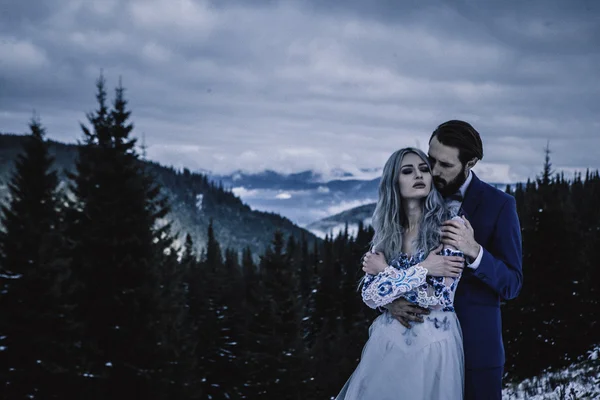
[[405, 278], [392, 283]]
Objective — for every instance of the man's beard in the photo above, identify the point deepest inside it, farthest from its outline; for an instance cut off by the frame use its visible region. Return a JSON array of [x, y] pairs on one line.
[[447, 189]]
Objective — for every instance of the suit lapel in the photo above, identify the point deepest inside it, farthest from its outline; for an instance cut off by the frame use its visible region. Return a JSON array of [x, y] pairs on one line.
[[472, 197]]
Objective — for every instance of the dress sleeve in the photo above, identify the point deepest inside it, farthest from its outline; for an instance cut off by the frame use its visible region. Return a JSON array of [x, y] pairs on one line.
[[391, 284], [438, 290]]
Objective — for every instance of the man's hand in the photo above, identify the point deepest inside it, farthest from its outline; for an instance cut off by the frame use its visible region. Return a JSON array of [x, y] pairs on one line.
[[461, 236], [405, 311], [447, 266], [374, 263]]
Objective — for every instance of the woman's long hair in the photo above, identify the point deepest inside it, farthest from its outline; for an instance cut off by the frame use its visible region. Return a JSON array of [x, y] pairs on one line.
[[389, 217]]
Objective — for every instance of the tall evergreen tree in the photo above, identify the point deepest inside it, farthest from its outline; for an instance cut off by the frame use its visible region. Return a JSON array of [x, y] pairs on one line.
[[547, 172], [119, 246], [179, 334], [216, 297], [305, 270], [214, 257], [33, 267], [199, 318], [280, 345]]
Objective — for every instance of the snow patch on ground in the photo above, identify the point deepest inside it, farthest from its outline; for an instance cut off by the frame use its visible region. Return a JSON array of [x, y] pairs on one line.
[[576, 382]]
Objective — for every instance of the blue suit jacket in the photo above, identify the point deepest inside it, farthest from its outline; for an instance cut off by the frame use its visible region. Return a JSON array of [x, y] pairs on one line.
[[493, 215]]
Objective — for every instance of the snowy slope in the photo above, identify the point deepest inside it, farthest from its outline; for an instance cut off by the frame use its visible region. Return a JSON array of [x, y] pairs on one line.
[[578, 381]]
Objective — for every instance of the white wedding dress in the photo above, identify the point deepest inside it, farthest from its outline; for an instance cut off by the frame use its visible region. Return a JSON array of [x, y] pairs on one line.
[[425, 362]]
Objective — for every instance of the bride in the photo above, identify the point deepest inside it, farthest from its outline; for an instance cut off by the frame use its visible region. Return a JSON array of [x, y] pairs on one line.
[[424, 361]]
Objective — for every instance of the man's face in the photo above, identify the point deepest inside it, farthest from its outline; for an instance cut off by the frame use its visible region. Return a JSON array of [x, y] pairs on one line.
[[448, 172]]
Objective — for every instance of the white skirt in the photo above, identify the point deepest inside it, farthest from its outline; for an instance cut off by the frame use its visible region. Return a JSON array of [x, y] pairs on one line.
[[424, 362]]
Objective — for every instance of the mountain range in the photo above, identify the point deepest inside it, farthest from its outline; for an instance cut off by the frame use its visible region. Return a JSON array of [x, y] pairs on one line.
[[195, 201], [322, 207], [246, 208], [302, 197]]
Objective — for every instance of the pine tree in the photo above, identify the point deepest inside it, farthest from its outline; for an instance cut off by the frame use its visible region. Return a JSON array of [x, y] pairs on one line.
[[280, 343], [215, 300], [231, 262], [547, 172], [179, 334], [305, 270], [248, 268], [198, 283], [119, 246], [33, 268], [214, 257]]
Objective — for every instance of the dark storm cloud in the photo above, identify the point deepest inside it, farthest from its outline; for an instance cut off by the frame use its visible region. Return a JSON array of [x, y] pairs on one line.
[[314, 84]]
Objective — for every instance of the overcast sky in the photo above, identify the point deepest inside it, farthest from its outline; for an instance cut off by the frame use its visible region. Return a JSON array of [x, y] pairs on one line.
[[316, 84]]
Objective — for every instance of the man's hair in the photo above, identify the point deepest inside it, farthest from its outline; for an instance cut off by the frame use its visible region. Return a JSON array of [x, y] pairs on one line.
[[461, 135]]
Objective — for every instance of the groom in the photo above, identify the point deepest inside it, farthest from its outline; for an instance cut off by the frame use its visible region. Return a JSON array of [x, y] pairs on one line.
[[491, 242]]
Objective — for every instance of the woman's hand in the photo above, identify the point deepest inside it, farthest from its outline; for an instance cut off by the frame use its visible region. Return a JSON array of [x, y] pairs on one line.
[[374, 263], [447, 266]]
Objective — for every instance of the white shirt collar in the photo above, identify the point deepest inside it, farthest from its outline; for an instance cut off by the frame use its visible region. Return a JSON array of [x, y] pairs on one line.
[[465, 185]]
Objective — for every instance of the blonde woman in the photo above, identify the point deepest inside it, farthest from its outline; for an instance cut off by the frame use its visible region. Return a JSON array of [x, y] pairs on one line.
[[422, 361]]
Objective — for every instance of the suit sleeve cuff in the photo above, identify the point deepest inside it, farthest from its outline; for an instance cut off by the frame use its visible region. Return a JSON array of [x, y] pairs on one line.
[[475, 264]]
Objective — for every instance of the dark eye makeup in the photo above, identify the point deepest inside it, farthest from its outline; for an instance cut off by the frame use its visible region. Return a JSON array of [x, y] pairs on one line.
[[409, 170]]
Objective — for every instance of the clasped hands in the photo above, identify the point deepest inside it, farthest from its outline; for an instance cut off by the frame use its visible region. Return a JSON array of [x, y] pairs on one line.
[[455, 234], [435, 264], [461, 236]]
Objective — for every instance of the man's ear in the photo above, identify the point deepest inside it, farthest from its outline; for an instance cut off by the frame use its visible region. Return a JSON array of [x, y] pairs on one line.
[[471, 163]]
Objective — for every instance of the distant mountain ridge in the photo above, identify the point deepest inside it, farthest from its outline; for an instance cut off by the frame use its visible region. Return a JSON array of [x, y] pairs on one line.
[[194, 201], [246, 207], [305, 180], [308, 200], [351, 219], [270, 179], [303, 197]]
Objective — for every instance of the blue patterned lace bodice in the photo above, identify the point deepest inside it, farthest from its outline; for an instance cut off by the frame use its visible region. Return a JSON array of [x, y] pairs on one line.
[[405, 278]]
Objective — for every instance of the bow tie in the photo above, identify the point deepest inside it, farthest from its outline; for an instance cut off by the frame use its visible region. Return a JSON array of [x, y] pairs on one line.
[[455, 197]]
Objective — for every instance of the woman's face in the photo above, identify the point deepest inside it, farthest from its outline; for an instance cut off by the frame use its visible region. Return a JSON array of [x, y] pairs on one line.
[[415, 177]]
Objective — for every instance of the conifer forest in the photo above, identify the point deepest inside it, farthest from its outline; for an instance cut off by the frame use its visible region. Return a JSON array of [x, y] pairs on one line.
[[99, 301]]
